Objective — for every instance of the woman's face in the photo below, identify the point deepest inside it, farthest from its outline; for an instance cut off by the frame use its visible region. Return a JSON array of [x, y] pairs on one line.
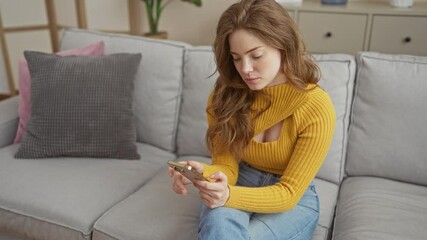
[[259, 65]]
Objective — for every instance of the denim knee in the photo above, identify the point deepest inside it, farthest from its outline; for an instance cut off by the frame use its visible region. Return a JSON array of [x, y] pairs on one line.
[[223, 223]]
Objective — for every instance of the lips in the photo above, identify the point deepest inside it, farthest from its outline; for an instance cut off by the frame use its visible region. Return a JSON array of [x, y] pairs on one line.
[[251, 80]]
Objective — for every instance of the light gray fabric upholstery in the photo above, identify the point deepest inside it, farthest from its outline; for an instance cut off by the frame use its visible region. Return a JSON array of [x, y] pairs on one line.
[[8, 121], [338, 71], [62, 198], [154, 211], [81, 106], [377, 208], [6, 236], [157, 85], [328, 194], [388, 136], [198, 83], [320, 233], [337, 79]]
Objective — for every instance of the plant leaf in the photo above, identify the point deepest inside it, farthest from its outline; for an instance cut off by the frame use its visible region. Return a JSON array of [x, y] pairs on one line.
[[195, 2]]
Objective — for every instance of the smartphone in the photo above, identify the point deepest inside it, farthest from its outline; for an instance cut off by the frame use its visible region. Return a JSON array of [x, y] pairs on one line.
[[187, 171]]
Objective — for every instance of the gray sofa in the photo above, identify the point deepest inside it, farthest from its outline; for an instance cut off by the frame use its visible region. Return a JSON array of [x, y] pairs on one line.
[[372, 185]]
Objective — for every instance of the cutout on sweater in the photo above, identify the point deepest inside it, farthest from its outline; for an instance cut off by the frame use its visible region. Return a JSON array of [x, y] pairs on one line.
[[270, 135]]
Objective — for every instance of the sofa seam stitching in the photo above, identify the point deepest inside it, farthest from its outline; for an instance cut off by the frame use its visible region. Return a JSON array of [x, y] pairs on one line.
[[392, 60], [355, 91], [345, 130], [178, 105]]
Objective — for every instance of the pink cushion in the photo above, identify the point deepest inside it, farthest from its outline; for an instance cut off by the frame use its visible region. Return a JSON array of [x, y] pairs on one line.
[[25, 83]]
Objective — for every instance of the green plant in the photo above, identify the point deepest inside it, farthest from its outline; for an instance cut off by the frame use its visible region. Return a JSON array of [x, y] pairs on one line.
[[154, 10]]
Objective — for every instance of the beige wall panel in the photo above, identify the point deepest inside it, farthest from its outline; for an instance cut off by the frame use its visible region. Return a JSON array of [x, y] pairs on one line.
[[66, 12], [109, 15], [188, 23], [19, 42], [17, 13]]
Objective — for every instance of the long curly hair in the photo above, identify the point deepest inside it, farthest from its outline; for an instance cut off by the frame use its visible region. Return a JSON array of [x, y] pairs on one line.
[[231, 125]]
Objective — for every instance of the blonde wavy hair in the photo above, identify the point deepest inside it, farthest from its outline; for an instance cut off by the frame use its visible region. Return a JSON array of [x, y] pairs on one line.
[[231, 127]]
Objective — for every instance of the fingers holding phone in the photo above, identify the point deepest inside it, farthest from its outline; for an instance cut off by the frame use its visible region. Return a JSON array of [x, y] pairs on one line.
[[196, 166], [184, 173], [214, 194], [179, 182]]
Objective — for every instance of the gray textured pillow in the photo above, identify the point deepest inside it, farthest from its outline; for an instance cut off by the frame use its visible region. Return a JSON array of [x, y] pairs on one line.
[[81, 106]]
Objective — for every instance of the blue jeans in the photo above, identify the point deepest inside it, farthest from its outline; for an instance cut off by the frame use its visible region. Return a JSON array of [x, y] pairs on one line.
[[228, 223]]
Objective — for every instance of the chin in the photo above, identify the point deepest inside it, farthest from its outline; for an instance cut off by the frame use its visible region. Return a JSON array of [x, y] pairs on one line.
[[256, 87]]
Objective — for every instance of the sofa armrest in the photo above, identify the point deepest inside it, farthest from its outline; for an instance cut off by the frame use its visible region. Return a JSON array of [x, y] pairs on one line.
[[8, 120]]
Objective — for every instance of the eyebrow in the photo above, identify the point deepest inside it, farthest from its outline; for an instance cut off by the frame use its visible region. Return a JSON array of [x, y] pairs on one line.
[[253, 49]]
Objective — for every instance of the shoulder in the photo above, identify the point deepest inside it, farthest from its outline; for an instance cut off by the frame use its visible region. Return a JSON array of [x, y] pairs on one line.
[[318, 96], [318, 103]]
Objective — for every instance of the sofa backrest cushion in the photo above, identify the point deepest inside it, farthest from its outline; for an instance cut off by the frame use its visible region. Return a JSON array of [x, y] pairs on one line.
[[158, 81], [388, 134], [198, 83], [338, 72]]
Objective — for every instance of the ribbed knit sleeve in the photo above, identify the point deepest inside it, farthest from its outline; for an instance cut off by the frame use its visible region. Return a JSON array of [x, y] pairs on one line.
[[224, 162], [313, 124]]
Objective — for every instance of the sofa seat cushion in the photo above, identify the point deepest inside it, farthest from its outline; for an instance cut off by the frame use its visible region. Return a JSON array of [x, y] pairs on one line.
[[377, 208], [6, 236], [153, 212], [156, 212], [61, 198]]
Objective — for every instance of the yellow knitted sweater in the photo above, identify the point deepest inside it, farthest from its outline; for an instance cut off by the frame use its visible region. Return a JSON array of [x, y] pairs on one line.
[[308, 126]]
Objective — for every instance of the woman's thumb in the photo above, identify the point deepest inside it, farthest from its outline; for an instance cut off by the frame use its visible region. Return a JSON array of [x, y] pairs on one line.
[[219, 177], [196, 165]]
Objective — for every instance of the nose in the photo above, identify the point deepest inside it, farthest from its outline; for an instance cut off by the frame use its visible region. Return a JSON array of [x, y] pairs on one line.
[[247, 67]]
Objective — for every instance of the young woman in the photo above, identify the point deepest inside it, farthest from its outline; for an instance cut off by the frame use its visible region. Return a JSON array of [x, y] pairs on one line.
[[270, 127]]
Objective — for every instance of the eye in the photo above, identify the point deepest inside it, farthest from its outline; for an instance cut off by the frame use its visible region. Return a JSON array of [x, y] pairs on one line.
[[257, 57], [236, 59]]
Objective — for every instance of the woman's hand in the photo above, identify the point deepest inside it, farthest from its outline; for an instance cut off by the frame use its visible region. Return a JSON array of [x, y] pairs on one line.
[[179, 182], [214, 194]]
